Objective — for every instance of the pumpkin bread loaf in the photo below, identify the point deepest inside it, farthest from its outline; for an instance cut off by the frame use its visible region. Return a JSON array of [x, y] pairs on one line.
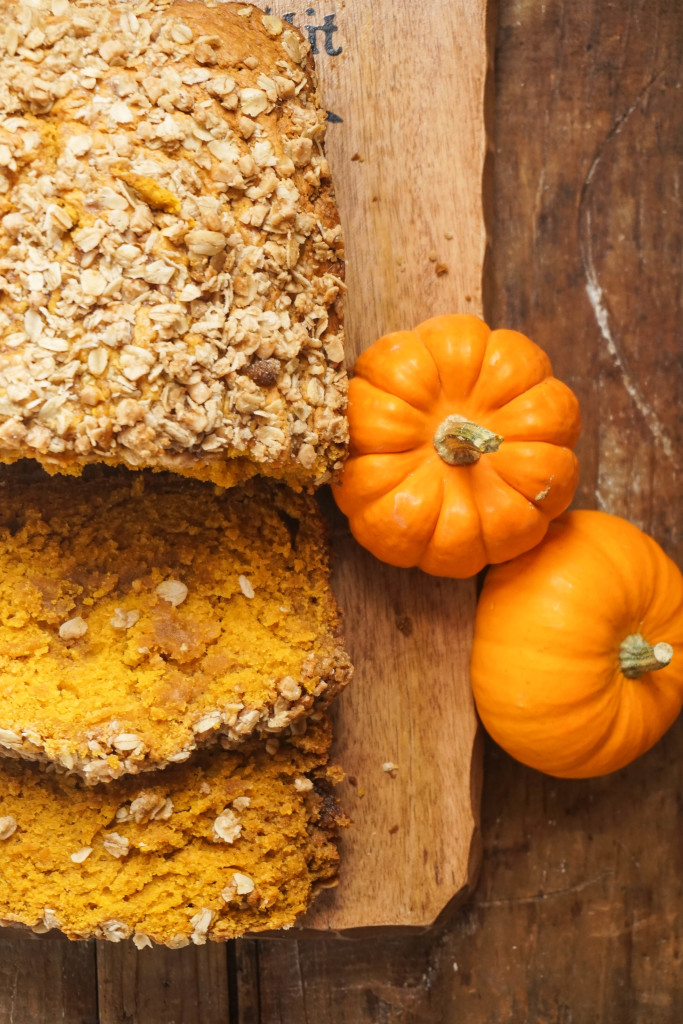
[[231, 842], [144, 615], [171, 259]]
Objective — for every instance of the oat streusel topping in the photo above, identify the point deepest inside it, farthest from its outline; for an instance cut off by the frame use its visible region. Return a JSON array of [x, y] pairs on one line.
[[171, 258]]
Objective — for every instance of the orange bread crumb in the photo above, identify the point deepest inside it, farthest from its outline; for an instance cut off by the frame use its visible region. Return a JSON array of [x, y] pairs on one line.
[[144, 615], [233, 842]]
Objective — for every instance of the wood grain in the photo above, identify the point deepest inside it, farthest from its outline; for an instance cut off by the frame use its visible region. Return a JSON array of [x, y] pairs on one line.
[[46, 979], [407, 146], [162, 985], [418, 822]]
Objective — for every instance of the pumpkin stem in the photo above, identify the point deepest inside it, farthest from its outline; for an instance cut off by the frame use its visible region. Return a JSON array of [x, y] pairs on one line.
[[460, 443], [637, 656]]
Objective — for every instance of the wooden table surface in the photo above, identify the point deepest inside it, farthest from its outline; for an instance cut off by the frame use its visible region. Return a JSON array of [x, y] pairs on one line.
[[578, 914]]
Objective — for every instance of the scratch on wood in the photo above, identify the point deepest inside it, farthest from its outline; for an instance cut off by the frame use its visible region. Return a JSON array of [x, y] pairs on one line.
[[594, 291], [301, 988], [15, 983], [541, 897]]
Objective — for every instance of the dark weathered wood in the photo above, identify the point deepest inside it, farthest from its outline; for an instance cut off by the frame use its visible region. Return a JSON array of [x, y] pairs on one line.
[[162, 986], [247, 993], [588, 233], [578, 915], [46, 979]]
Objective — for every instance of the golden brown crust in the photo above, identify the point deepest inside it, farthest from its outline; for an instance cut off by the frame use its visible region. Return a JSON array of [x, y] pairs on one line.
[[171, 259], [144, 615], [232, 842]]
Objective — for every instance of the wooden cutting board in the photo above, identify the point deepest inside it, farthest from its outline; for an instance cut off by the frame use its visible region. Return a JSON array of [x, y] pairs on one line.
[[405, 85]]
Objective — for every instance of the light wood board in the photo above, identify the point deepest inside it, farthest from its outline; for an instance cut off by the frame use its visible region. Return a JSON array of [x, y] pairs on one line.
[[405, 85]]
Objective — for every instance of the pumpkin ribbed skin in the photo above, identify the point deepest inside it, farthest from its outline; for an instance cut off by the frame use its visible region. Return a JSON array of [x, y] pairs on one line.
[[546, 670], [406, 504]]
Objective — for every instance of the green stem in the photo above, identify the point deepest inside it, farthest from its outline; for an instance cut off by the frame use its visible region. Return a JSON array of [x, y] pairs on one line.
[[637, 656], [460, 443]]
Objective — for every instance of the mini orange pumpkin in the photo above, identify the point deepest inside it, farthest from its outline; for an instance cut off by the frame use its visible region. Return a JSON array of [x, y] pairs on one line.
[[577, 661], [460, 446]]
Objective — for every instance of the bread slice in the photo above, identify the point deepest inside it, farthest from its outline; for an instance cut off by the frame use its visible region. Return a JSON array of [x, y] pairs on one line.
[[144, 615], [171, 259], [230, 843]]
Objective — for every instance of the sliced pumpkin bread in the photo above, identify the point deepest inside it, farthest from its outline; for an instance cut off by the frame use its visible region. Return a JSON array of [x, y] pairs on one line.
[[234, 841], [144, 615]]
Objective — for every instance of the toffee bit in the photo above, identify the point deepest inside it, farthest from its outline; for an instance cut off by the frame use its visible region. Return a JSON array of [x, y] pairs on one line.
[[264, 372]]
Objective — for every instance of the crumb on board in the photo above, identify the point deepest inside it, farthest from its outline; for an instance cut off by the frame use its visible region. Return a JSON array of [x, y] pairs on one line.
[[404, 624]]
